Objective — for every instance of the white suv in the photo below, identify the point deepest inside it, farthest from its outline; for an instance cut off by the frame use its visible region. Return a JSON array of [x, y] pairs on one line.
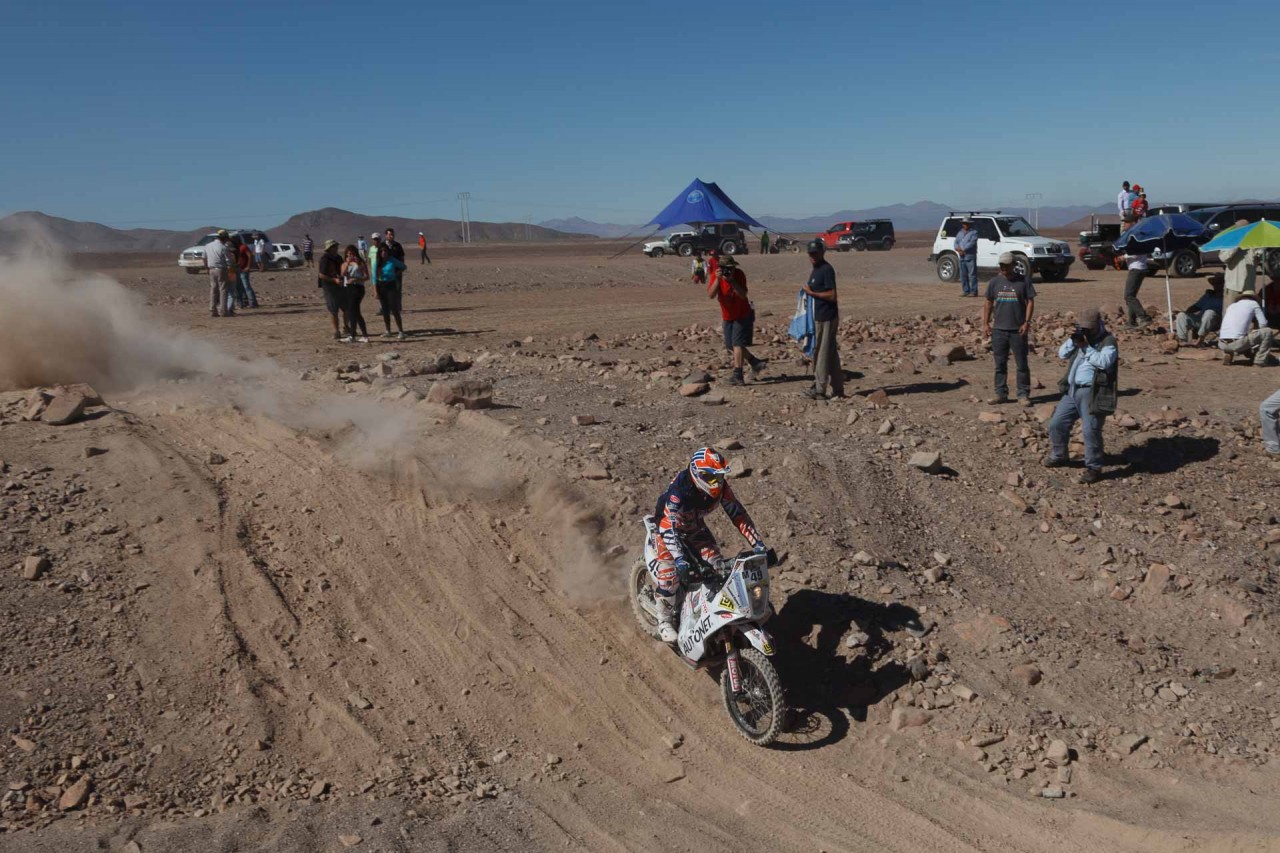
[[658, 248], [285, 256], [999, 233], [191, 259]]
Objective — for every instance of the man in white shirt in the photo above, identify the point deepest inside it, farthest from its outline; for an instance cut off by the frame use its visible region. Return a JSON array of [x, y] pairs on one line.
[[1236, 338], [1124, 204], [218, 260], [260, 253]]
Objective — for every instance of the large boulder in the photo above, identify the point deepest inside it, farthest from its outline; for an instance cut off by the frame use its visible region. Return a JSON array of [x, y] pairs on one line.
[[468, 393]]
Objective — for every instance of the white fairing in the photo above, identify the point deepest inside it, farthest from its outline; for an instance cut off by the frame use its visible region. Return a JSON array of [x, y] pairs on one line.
[[743, 602]]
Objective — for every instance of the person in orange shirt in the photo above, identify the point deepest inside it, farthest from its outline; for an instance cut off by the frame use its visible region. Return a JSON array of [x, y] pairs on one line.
[[422, 247], [729, 286]]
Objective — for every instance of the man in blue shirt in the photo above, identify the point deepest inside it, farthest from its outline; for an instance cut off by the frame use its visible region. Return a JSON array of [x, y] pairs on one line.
[[1205, 316], [967, 249], [1088, 393]]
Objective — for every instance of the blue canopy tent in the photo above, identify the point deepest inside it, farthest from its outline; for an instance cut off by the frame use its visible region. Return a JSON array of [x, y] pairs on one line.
[[702, 202]]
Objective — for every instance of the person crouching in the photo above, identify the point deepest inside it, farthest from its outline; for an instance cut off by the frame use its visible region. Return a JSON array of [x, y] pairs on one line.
[[1088, 393]]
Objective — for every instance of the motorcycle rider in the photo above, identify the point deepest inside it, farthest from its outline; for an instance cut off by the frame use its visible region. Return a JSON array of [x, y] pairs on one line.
[[681, 512]]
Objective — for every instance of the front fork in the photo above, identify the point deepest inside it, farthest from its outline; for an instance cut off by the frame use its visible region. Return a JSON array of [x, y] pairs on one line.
[[731, 661]]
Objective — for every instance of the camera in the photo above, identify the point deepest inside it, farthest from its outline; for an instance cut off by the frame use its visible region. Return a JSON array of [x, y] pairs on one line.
[[1080, 336]]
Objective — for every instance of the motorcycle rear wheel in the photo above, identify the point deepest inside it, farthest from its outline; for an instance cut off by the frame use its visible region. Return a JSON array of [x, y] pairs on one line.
[[640, 590], [759, 708]]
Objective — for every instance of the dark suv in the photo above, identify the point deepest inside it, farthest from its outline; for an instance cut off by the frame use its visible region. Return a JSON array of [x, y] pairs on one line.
[[726, 237], [1183, 256], [868, 234]]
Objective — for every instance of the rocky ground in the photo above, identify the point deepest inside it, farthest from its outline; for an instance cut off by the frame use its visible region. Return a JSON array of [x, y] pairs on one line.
[[270, 592]]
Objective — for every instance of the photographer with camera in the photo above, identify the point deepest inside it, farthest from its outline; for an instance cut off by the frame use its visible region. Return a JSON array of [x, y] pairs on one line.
[[1088, 393]]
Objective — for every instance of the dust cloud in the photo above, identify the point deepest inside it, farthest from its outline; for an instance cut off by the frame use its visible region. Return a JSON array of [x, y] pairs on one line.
[[67, 326]]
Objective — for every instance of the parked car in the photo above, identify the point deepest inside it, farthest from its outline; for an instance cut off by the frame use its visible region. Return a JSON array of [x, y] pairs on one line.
[[1181, 207], [658, 248], [191, 258], [1182, 254], [868, 234], [998, 233], [726, 237], [831, 237], [1097, 251], [285, 256]]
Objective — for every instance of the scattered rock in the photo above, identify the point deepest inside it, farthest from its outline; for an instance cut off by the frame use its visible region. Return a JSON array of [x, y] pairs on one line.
[[886, 427], [729, 444], [583, 420], [908, 718], [468, 393], [948, 353], [1052, 793], [1058, 754], [856, 639], [75, 796], [1028, 673], [1127, 743], [358, 701], [935, 574], [963, 693], [595, 472], [929, 461], [23, 744], [674, 740], [1157, 579], [64, 409], [34, 567], [716, 399], [1234, 613], [215, 458], [318, 789], [349, 840], [985, 739], [1044, 411], [694, 389]]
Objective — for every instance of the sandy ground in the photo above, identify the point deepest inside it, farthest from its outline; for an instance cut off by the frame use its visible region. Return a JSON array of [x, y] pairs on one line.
[[290, 607]]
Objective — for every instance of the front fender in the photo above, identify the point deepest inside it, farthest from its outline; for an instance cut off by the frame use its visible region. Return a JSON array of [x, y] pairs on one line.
[[759, 639]]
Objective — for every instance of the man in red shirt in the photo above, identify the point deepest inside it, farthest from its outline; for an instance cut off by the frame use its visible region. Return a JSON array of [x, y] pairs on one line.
[[729, 285]]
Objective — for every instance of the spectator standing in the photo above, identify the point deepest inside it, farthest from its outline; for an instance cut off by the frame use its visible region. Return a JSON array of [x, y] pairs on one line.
[[1242, 270], [967, 249], [739, 317], [260, 253], [1205, 316], [307, 248], [329, 280], [1088, 393], [699, 268], [1269, 413], [1011, 302], [389, 285], [362, 245], [713, 264], [218, 261], [1124, 203], [244, 294], [764, 242], [1140, 206], [1236, 337], [826, 322], [422, 247], [355, 273], [1138, 316]]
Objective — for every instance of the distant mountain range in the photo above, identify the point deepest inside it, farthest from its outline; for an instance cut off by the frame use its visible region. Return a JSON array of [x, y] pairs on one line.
[[342, 225], [921, 216]]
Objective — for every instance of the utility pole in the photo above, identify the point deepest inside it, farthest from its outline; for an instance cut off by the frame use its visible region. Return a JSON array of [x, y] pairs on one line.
[[528, 218], [464, 205], [1033, 199]]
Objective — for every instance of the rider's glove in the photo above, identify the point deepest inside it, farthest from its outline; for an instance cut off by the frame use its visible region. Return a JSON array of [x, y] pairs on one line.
[[683, 568], [770, 554]]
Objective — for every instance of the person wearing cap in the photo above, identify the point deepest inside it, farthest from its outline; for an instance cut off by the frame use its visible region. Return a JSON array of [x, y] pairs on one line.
[[1140, 206], [1011, 302], [1124, 205], [218, 261], [730, 288], [826, 322], [1237, 338], [422, 247], [362, 246], [1204, 317], [308, 250], [713, 263], [372, 250], [1242, 270], [260, 253], [967, 249], [1088, 392], [329, 280]]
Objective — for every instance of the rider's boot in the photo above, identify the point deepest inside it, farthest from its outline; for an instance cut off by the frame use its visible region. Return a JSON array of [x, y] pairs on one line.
[[666, 616]]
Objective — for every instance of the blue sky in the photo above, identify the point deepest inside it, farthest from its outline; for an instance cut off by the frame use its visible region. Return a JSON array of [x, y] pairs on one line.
[[179, 115]]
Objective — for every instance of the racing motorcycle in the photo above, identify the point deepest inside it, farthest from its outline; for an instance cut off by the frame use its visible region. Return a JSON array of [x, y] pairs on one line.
[[721, 613]]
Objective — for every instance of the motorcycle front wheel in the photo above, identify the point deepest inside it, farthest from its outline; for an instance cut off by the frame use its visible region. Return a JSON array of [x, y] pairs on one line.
[[640, 590], [758, 708]]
